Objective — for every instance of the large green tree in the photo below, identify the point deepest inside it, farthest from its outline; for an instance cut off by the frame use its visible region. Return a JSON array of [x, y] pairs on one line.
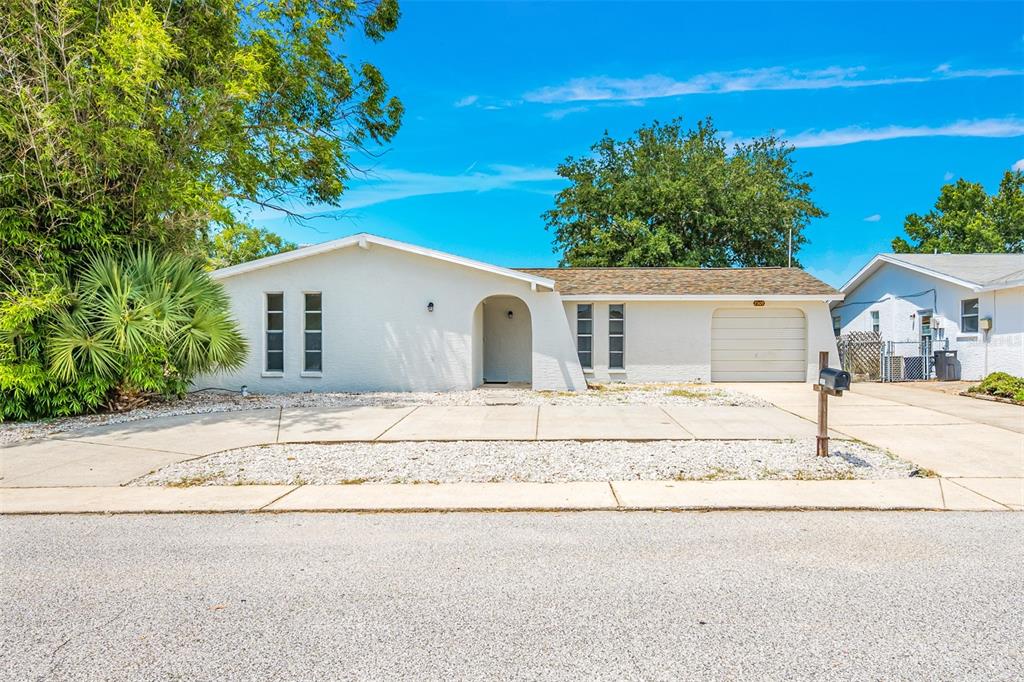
[[125, 122], [967, 219], [671, 196]]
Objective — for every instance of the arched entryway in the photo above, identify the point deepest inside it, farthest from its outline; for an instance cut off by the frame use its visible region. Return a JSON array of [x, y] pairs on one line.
[[503, 341]]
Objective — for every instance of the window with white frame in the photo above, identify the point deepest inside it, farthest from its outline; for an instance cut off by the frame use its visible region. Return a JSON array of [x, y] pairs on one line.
[[313, 335], [616, 336], [585, 334], [274, 361], [837, 325], [875, 326], [969, 315]]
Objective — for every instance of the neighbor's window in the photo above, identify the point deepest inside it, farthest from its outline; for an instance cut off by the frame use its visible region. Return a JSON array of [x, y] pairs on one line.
[[874, 321], [314, 335], [969, 315], [275, 333], [585, 334], [616, 356], [837, 324]]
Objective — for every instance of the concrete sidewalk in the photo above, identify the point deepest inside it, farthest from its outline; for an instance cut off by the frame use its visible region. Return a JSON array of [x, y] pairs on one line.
[[908, 494], [114, 454]]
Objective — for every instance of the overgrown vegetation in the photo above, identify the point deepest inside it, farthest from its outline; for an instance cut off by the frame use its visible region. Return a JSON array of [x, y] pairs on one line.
[[1001, 385], [127, 329], [138, 130]]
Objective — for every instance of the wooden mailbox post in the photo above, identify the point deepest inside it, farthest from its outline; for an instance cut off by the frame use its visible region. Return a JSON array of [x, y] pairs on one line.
[[829, 383]]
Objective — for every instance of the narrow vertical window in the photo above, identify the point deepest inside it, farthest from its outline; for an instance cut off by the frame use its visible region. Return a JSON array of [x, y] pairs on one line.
[[837, 325], [616, 337], [314, 335], [585, 334], [275, 333], [874, 321], [969, 315]]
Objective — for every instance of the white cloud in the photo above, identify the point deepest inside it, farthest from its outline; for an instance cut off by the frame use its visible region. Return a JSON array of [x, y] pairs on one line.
[[392, 184], [990, 127], [1019, 165], [603, 88], [873, 218], [559, 114], [948, 176], [466, 101]]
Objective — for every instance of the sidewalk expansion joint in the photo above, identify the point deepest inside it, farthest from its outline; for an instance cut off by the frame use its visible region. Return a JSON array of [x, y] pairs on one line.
[[402, 419], [277, 499], [615, 496]]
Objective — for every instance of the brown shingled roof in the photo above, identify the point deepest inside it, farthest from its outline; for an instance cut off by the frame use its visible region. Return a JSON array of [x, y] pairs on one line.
[[684, 281]]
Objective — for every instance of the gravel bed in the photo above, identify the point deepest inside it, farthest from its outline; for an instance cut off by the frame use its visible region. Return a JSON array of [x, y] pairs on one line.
[[208, 401], [546, 461]]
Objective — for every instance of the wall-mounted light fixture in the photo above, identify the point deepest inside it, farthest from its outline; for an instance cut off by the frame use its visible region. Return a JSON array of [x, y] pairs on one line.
[[430, 307], [510, 314]]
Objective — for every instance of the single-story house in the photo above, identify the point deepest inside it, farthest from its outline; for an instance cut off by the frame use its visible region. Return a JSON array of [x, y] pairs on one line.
[[919, 303], [366, 313]]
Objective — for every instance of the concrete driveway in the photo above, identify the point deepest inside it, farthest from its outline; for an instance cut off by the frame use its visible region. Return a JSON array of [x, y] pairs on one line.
[[977, 443]]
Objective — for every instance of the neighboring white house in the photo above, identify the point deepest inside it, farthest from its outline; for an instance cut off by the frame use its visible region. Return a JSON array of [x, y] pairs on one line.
[[367, 313], [970, 303]]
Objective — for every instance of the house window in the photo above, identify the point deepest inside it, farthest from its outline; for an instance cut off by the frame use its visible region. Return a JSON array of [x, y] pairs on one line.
[[275, 333], [837, 325], [585, 334], [313, 343], [874, 321], [969, 315], [616, 337]]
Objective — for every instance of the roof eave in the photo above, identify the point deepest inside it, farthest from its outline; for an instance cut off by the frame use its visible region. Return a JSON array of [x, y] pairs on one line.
[[705, 297], [363, 240]]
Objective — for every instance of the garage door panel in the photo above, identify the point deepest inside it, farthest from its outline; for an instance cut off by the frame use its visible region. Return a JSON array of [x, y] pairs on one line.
[[755, 333], [758, 314], [758, 344], [796, 354], [767, 323], [748, 377]]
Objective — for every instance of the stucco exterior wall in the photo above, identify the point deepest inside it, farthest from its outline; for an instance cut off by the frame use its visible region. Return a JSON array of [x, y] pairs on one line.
[[506, 340], [671, 340], [377, 332], [900, 295]]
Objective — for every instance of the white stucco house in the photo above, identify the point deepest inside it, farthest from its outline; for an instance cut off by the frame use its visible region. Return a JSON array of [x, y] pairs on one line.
[[970, 303], [365, 313]]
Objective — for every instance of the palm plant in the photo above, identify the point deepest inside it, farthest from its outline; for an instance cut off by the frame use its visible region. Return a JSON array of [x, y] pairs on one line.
[[145, 323]]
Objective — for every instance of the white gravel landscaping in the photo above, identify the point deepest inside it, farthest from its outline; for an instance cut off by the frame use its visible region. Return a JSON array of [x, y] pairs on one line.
[[209, 401], [544, 461]]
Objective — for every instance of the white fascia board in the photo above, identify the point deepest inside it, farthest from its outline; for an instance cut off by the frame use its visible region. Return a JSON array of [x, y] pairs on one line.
[[702, 297], [1002, 285], [363, 241], [877, 261]]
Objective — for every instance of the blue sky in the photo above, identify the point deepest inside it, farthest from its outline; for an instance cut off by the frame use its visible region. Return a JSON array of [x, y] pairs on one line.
[[884, 101]]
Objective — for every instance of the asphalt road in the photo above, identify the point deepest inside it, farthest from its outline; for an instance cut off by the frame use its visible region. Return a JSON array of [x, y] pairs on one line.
[[541, 596]]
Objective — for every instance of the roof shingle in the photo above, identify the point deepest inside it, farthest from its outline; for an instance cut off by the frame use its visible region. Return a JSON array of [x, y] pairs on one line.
[[684, 281]]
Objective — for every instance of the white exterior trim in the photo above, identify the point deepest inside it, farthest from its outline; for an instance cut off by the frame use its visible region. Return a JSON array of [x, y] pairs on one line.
[[881, 258], [363, 240], [618, 298]]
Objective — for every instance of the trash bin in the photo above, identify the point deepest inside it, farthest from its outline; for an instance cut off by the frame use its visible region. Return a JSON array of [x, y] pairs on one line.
[[946, 366]]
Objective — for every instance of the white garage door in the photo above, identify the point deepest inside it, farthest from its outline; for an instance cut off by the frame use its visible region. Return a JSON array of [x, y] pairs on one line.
[[758, 344]]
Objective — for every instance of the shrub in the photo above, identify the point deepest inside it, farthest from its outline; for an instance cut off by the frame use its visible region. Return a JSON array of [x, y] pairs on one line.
[[138, 325], [1002, 385]]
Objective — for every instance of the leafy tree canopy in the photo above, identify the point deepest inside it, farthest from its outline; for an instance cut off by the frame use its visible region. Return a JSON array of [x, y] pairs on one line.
[[241, 243], [124, 122], [967, 219], [674, 197]]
